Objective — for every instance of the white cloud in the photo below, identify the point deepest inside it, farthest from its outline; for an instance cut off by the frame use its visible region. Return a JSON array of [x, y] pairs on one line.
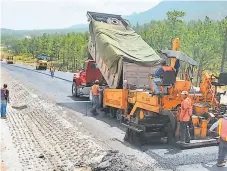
[[37, 14]]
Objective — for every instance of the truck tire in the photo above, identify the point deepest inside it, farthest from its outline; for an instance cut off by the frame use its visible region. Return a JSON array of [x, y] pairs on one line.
[[113, 112], [119, 115], [101, 98], [74, 90]]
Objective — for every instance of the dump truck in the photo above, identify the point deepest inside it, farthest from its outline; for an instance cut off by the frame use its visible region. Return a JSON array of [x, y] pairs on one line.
[[41, 62], [120, 59], [123, 62], [84, 79]]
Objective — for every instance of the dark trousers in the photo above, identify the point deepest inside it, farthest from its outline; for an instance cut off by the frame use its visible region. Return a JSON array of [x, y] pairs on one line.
[[52, 74], [95, 102], [222, 151], [184, 132]]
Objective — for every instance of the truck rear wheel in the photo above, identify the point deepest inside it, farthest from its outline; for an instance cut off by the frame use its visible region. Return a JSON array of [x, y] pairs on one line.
[[113, 112], [119, 115], [74, 90]]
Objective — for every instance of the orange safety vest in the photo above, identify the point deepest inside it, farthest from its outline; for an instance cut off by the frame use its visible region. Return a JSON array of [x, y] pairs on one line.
[[185, 116], [222, 129], [167, 68], [95, 90]]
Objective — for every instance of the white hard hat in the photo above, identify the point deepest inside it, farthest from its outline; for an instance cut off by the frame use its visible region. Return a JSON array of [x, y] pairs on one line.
[[184, 93]]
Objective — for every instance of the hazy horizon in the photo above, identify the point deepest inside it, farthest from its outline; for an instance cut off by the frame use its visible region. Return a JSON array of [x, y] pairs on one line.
[[36, 15]]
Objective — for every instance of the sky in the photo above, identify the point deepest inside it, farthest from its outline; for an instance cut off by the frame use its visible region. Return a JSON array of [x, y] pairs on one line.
[[52, 14]]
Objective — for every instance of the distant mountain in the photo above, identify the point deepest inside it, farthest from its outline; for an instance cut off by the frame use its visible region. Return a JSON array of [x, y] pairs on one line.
[[215, 10], [79, 26], [20, 34], [194, 10]]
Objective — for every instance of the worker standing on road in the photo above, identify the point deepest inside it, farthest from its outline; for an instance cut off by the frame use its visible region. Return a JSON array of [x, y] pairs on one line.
[[95, 97], [184, 117], [158, 75], [52, 70], [221, 124], [4, 100]]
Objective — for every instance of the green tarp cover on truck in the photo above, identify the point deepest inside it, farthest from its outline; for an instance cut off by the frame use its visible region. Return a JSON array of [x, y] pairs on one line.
[[116, 43]]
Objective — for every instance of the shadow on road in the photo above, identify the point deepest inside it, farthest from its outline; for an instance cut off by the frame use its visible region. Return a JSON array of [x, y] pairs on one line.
[[79, 98]]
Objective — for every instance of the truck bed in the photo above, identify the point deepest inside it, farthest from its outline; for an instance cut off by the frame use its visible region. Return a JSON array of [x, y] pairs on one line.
[[113, 43]]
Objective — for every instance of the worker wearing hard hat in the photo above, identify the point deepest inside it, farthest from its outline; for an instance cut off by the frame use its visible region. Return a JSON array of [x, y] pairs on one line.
[[95, 97], [184, 117], [221, 124]]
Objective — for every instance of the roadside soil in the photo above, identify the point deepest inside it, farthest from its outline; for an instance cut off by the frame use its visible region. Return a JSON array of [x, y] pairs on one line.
[[44, 140]]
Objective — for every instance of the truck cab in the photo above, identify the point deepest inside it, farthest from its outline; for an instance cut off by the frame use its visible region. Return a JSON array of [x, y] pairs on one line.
[[84, 79]]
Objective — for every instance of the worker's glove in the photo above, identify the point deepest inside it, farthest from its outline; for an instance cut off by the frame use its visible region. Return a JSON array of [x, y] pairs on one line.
[[212, 133], [151, 76]]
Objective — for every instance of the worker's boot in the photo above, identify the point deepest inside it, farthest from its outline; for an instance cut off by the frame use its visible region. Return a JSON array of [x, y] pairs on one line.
[[94, 112], [222, 164]]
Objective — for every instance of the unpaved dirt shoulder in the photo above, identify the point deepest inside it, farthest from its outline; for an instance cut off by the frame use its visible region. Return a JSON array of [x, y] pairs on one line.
[[44, 140]]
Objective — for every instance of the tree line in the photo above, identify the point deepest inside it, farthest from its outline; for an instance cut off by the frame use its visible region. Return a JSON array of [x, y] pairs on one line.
[[67, 50], [205, 41]]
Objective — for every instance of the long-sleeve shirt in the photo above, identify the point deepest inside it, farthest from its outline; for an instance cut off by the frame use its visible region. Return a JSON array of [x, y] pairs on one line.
[[177, 65], [215, 125], [158, 72], [186, 110]]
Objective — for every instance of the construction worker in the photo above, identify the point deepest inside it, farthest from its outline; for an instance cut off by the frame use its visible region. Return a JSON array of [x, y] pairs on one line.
[[177, 66], [184, 117], [221, 124], [158, 74], [52, 70], [4, 100], [95, 97]]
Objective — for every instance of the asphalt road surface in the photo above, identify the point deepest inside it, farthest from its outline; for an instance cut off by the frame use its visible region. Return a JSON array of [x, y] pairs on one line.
[[108, 129]]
